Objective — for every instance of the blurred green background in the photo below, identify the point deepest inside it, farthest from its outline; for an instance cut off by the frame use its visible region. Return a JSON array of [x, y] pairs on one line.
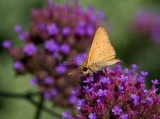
[[129, 47]]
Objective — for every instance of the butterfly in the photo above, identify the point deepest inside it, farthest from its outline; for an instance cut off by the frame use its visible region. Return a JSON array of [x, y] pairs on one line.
[[101, 53]]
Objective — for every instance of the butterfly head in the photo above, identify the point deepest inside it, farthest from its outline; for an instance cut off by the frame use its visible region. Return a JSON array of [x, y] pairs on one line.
[[84, 70]]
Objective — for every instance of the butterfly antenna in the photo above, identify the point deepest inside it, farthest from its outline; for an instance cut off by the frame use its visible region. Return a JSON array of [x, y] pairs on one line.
[[72, 72]]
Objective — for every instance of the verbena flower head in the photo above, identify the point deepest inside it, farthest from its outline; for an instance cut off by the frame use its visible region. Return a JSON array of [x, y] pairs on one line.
[[147, 22], [120, 96], [58, 36]]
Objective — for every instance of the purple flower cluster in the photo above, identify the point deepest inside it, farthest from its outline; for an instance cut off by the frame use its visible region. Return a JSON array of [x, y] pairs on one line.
[[116, 94], [58, 33], [147, 22]]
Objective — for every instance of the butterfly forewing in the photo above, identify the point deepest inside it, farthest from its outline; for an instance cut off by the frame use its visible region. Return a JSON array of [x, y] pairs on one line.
[[101, 47]]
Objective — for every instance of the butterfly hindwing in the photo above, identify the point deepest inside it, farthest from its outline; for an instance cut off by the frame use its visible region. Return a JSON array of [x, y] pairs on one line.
[[108, 62]]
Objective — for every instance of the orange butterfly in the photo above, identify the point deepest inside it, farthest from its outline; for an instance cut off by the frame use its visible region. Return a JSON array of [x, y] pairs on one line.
[[100, 55]]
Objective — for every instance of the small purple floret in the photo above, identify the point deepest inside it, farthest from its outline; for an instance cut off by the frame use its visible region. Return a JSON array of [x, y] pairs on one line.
[[155, 82], [54, 91], [60, 69], [141, 79], [72, 99], [74, 92], [105, 80], [56, 55], [52, 29], [101, 92], [65, 114], [22, 36], [123, 78], [30, 49], [91, 89], [51, 45], [86, 87], [144, 74], [41, 26], [79, 58], [66, 30], [17, 65], [89, 79], [90, 30], [47, 94], [148, 99], [48, 81], [80, 30], [145, 91], [80, 103], [18, 28], [134, 96], [120, 87], [90, 9], [98, 100], [116, 110], [134, 66], [124, 116], [136, 102], [92, 116], [33, 81], [126, 71], [100, 14], [6, 44], [65, 48]]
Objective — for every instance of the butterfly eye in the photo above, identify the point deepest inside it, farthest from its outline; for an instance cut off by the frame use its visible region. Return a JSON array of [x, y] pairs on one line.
[[85, 68]]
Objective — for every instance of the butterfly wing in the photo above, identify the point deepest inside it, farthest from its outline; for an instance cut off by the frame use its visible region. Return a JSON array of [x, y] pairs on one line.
[[101, 49], [107, 62], [101, 52]]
